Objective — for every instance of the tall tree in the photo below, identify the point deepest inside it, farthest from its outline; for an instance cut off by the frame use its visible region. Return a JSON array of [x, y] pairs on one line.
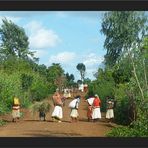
[[55, 73], [122, 29], [14, 40], [124, 34], [70, 79], [81, 67]]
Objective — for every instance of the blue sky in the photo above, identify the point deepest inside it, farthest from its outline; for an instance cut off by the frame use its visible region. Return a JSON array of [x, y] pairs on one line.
[[66, 37]]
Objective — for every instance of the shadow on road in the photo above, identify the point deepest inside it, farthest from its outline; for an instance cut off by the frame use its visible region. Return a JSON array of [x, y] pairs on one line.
[[39, 133]]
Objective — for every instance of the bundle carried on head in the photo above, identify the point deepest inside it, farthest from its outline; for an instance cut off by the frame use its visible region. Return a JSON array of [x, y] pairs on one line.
[[40, 107]]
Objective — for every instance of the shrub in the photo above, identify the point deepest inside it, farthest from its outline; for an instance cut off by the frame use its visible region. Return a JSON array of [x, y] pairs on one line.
[[10, 86], [40, 107], [2, 122]]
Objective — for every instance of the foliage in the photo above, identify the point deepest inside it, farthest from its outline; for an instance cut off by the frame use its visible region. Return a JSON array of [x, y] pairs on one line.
[[122, 71], [104, 86], [122, 30], [20, 73], [87, 81], [39, 89], [26, 81], [79, 82], [2, 122], [14, 40], [126, 44], [54, 72], [10, 86], [136, 129], [81, 67], [70, 79], [40, 107], [122, 106]]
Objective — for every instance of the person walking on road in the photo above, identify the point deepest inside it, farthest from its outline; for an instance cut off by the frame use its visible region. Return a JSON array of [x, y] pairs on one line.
[[96, 113], [16, 109], [57, 113], [74, 104], [109, 109]]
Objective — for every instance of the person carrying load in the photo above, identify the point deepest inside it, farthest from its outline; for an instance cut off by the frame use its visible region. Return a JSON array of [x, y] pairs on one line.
[[16, 109], [74, 104]]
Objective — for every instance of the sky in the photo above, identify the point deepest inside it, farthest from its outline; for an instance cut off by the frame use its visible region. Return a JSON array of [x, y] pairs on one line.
[[65, 37]]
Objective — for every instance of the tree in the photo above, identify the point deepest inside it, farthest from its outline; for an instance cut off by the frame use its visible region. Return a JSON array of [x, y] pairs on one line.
[[81, 67], [124, 34], [14, 40], [123, 30], [79, 82], [87, 80], [55, 73], [104, 85], [42, 69], [70, 79]]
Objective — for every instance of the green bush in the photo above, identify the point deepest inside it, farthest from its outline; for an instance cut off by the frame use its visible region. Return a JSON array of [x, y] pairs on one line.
[[121, 109], [104, 86], [10, 86], [39, 89], [2, 122], [35, 88], [138, 128]]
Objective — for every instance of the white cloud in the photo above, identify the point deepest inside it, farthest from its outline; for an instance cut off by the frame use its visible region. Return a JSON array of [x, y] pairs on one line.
[[33, 26], [92, 62], [41, 37], [90, 72], [93, 59], [63, 57]]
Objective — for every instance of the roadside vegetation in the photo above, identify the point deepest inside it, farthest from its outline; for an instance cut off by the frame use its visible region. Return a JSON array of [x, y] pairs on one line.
[[124, 76]]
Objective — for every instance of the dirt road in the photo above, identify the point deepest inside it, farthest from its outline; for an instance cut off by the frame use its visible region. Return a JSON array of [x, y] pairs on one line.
[[30, 126]]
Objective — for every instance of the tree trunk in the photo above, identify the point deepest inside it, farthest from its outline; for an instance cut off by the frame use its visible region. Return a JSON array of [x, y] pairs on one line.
[[135, 74], [145, 76]]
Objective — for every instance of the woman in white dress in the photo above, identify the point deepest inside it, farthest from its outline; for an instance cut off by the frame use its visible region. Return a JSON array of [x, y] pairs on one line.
[[74, 104], [96, 113], [110, 111]]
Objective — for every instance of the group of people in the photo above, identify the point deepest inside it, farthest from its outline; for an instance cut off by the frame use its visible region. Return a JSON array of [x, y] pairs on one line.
[[94, 105], [58, 102], [93, 113]]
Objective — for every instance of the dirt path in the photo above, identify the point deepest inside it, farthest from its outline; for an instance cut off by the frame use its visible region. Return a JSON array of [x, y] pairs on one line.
[[30, 126]]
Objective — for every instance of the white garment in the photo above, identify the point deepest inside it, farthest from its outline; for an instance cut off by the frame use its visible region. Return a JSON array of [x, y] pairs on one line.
[[16, 113], [74, 103], [81, 87], [110, 114], [90, 100], [74, 113], [96, 114], [57, 112]]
